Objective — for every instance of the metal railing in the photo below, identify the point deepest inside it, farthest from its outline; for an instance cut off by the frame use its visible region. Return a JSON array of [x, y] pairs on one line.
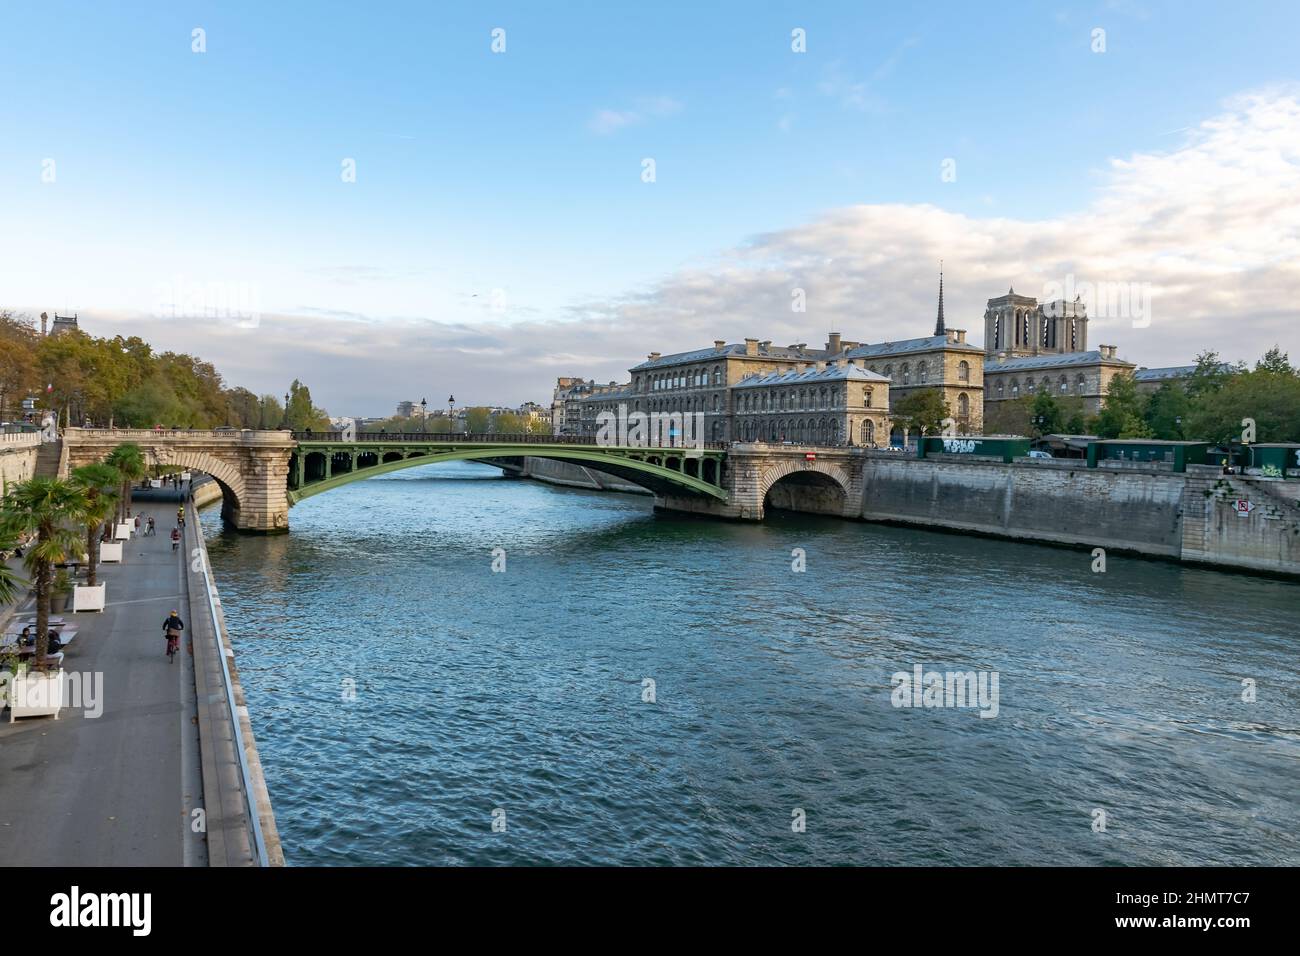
[[476, 439], [218, 626]]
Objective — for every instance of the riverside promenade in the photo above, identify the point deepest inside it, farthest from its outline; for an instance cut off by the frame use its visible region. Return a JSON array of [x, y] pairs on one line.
[[154, 779]]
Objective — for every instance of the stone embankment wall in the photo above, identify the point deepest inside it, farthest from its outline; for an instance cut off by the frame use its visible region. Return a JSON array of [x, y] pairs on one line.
[[18, 455], [1188, 517], [575, 476]]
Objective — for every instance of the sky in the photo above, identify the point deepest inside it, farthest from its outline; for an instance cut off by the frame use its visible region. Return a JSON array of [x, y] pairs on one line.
[[395, 201]]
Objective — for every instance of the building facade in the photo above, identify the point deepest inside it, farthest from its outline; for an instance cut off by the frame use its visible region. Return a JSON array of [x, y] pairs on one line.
[[819, 404]]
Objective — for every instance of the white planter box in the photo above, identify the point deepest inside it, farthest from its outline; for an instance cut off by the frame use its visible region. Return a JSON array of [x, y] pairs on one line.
[[155, 483], [124, 530], [35, 695], [86, 598], [110, 552]]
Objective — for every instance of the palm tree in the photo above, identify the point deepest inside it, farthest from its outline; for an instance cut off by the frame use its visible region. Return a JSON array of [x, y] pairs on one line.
[[128, 459], [44, 507], [10, 583], [99, 483]]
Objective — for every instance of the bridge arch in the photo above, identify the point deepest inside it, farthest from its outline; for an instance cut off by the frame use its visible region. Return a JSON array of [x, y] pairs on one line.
[[226, 474], [807, 486], [657, 470]]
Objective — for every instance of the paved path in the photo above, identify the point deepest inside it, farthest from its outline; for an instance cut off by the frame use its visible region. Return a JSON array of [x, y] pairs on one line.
[[113, 790]]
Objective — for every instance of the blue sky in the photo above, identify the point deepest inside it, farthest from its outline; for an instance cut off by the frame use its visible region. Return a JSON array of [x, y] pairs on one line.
[[521, 171]]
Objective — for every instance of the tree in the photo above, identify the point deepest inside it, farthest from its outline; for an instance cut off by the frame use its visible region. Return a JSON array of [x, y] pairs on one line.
[[1269, 396], [1209, 376], [18, 377], [508, 423], [98, 482], [44, 507], [245, 408], [1168, 410], [478, 420], [1122, 415], [270, 413], [128, 460], [1045, 417], [1275, 361], [302, 414], [924, 411]]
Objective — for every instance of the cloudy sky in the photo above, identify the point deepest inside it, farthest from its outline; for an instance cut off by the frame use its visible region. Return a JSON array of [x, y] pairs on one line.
[[372, 198]]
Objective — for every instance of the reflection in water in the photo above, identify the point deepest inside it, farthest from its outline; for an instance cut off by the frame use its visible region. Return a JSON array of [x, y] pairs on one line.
[[401, 692]]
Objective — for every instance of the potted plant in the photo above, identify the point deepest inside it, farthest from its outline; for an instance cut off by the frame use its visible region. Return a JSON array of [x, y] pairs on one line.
[[60, 591], [99, 482], [44, 507]]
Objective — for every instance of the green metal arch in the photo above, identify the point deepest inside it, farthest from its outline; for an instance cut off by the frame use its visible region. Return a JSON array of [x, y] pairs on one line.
[[560, 453]]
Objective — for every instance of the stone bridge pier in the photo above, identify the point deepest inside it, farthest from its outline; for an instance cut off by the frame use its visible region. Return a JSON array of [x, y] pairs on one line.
[[250, 467], [791, 477]]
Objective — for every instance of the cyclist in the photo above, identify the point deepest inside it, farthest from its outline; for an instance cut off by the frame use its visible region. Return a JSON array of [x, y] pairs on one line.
[[172, 628], [180, 516], [176, 538]]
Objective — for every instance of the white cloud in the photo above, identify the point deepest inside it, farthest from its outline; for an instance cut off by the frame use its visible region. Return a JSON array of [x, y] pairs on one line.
[[1213, 225], [605, 121]]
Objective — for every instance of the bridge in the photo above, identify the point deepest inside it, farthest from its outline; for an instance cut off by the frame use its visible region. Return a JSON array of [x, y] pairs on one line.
[[263, 473]]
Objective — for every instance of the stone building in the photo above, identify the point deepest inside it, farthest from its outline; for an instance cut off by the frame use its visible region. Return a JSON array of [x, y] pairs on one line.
[[1031, 347], [840, 403], [566, 412], [1084, 375]]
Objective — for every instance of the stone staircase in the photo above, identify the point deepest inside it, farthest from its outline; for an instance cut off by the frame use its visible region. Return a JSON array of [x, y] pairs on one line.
[[48, 459]]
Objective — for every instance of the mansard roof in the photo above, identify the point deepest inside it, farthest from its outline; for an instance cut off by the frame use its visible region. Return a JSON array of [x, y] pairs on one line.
[[1032, 363], [931, 343], [733, 350], [832, 373]]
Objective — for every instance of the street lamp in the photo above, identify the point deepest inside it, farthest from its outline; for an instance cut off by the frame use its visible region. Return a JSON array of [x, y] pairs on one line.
[[451, 413], [286, 409], [424, 415]]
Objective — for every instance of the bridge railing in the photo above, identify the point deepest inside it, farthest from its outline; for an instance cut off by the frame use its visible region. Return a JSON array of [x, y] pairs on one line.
[[473, 439]]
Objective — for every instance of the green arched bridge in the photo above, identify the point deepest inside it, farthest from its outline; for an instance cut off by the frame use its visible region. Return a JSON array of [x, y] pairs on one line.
[[322, 461], [262, 473]]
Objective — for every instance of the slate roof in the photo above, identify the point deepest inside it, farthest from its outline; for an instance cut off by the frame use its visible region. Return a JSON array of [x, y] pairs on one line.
[[833, 373], [928, 344], [736, 349], [1068, 360]]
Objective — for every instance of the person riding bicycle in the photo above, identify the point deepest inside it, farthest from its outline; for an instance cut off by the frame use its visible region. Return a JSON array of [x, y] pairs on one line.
[[172, 627], [180, 516], [176, 538]]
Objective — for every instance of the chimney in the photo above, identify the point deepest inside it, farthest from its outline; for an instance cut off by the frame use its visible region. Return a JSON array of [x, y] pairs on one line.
[[718, 344], [820, 366], [45, 321], [652, 356], [1002, 357], [1108, 351], [833, 343], [751, 346]]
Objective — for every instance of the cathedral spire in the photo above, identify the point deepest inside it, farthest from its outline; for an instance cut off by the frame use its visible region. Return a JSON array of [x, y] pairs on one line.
[[938, 324]]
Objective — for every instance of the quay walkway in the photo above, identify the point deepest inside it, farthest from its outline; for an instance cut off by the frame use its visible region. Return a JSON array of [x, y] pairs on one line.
[[154, 779]]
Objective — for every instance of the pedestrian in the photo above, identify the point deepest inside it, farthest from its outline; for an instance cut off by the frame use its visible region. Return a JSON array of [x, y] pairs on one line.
[[137, 522], [150, 530]]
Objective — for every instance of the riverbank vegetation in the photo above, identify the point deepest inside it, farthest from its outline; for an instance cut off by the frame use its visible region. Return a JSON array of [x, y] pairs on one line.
[[1207, 405], [123, 380]]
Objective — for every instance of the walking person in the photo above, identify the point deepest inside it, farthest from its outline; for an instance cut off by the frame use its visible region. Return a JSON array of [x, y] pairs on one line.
[[149, 529]]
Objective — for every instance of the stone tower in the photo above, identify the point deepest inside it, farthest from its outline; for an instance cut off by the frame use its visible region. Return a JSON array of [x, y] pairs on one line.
[[1016, 326]]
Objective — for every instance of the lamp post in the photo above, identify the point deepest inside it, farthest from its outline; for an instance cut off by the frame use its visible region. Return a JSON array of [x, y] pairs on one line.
[[286, 409], [424, 415], [451, 413], [1178, 424]]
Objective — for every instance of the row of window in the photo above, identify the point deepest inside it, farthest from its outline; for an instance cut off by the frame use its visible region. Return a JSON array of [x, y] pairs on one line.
[[699, 378], [689, 378], [1062, 386]]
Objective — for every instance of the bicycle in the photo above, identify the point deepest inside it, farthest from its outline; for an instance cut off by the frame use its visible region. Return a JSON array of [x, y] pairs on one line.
[[173, 644]]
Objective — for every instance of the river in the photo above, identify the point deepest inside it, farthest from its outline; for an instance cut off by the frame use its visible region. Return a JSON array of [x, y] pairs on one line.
[[649, 689]]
